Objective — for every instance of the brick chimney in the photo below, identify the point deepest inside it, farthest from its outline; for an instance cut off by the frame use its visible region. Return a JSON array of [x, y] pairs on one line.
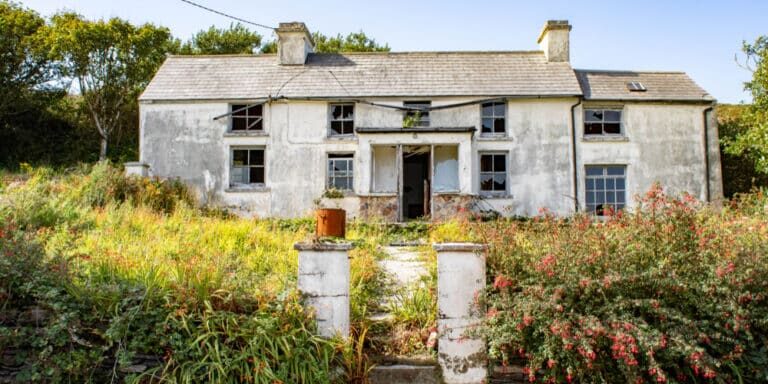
[[294, 43], [554, 40]]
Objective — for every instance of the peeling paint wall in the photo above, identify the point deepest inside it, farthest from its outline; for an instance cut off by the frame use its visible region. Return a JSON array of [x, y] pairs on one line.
[[663, 143]]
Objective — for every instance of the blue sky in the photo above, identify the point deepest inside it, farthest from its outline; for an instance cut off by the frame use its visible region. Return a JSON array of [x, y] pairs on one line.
[[698, 37]]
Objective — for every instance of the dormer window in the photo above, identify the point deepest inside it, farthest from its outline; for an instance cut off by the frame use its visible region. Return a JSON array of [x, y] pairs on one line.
[[417, 115], [247, 117], [602, 122]]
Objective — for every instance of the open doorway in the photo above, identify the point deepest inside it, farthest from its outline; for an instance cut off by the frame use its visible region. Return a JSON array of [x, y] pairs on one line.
[[416, 192]]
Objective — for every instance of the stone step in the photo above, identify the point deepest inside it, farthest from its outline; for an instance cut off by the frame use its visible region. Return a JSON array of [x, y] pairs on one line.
[[402, 370]]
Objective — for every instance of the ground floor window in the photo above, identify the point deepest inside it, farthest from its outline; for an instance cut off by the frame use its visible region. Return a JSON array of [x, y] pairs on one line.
[[605, 188], [247, 167], [493, 173], [340, 171]]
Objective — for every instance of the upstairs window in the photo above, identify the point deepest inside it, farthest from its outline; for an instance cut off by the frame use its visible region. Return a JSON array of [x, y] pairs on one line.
[[340, 172], [602, 122], [493, 173], [606, 188], [418, 116], [493, 118], [342, 119], [247, 167], [247, 117]]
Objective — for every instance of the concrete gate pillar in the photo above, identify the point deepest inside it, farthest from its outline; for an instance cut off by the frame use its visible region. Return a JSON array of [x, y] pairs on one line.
[[324, 282], [460, 277]]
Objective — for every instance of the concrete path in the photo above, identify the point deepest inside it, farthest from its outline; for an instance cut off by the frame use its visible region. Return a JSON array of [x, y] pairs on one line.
[[404, 265]]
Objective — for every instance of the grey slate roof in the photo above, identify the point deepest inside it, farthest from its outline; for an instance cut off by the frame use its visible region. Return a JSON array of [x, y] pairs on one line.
[[612, 85], [410, 74]]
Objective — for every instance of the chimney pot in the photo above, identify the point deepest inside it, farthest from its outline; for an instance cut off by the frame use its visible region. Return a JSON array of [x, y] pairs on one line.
[[554, 40]]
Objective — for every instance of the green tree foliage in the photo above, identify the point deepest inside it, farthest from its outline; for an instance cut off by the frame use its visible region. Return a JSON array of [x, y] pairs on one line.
[[353, 42], [739, 171], [753, 141], [110, 61], [236, 39]]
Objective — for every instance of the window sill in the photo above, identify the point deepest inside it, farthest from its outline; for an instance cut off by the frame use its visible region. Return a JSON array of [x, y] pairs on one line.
[[351, 138], [447, 193], [494, 196], [605, 138], [488, 137], [246, 134], [380, 194], [247, 189]]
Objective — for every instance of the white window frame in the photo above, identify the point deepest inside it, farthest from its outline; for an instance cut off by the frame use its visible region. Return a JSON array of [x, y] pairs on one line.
[[248, 126], [232, 150], [494, 117], [604, 177], [493, 193], [603, 122], [349, 173], [331, 133]]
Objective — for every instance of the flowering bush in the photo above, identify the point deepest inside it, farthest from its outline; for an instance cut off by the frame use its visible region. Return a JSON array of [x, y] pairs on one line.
[[673, 292]]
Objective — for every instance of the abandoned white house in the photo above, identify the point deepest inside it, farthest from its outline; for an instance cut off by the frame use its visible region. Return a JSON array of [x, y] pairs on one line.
[[413, 134]]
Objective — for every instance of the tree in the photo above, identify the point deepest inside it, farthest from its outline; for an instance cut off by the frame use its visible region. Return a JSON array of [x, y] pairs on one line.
[[236, 39], [753, 141], [110, 62], [353, 42], [739, 171]]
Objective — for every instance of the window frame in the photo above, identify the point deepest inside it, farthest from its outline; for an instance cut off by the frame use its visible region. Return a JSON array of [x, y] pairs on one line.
[[591, 208], [493, 193], [411, 104], [258, 119], [603, 121], [342, 120], [350, 174], [263, 166], [494, 117]]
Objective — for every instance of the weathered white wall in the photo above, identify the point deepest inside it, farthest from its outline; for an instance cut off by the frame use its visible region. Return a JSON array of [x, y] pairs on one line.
[[663, 143]]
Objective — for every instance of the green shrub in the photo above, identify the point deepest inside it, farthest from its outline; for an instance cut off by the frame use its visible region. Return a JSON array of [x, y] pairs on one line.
[[674, 292]]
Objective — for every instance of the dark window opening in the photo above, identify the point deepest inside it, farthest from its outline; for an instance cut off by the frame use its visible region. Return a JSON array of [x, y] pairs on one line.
[[342, 119], [605, 188], [493, 117], [340, 172], [247, 166], [418, 116], [247, 117], [493, 173], [602, 122]]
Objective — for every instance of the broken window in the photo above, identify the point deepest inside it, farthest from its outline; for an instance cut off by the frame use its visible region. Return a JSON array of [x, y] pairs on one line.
[[418, 116], [446, 171], [340, 171], [605, 188], [602, 122], [247, 166], [342, 119], [493, 173], [493, 116], [247, 117], [384, 169]]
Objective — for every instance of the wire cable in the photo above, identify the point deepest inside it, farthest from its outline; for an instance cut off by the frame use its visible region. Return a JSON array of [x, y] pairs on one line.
[[229, 16]]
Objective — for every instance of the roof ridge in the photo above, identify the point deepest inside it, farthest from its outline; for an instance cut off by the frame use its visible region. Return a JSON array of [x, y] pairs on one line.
[[257, 55], [628, 71]]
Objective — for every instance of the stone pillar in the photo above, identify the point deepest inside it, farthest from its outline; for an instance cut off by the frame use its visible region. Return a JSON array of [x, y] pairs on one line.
[[460, 277], [324, 282], [136, 168]]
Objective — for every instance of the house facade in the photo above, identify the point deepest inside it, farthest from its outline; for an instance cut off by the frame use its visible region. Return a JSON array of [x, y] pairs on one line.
[[424, 134]]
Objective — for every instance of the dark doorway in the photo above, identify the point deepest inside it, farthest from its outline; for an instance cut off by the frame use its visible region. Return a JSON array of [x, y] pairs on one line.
[[416, 183]]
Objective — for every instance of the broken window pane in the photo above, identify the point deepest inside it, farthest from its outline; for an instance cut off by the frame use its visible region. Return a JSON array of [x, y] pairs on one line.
[[420, 111], [246, 117], [342, 119], [247, 166], [602, 122], [493, 117], [493, 173]]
